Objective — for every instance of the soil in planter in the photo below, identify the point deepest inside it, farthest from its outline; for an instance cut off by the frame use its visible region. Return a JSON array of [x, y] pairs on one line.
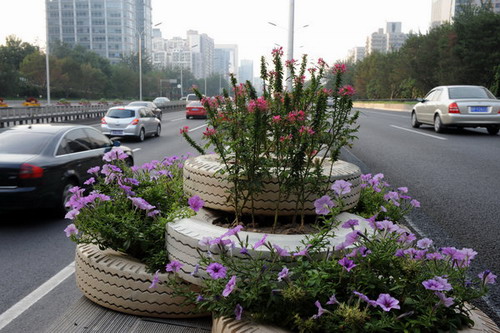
[[264, 224]]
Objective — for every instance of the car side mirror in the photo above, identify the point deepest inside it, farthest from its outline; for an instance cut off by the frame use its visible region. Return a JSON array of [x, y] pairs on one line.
[[116, 143], [421, 100]]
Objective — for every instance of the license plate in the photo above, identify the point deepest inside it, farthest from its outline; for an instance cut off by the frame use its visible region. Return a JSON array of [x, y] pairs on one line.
[[117, 132], [478, 109], [195, 109]]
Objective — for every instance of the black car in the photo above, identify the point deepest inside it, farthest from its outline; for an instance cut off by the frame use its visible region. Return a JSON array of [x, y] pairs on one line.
[[39, 163]]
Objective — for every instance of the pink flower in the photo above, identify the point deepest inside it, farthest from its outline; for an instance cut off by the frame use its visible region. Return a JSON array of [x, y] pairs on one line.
[[183, 130], [339, 69], [276, 119], [209, 132], [347, 90]]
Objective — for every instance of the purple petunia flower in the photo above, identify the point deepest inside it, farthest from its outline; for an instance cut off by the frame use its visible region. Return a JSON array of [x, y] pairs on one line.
[[89, 181], [195, 203], [392, 197], [115, 154], [173, 266], [283, 274], [156, 280], [195, 271], [323, 205], [216, 271], [205, 241], [280, 251], [387, 303], [424, 243], [437, 284], [260, 242], [347, 264], [341, 187], [365, 298], [229, 286], [446, 301], [199, 298], [320, 310], [415, 203], [244, 251], [332, 300], [71, 230], [350, 224], [233, 231], [141, 203], [238, 311], [95, 170], [487, 277], [302, 252]]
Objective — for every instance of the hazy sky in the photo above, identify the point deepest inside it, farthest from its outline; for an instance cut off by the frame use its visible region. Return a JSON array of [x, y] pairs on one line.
[[335, 26]]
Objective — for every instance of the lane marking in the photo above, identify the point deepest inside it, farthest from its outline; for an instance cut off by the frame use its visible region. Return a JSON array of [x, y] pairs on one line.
[[17, 309], [177, 119], [197, 128], [417, 132], [366, 113], [136, 149]]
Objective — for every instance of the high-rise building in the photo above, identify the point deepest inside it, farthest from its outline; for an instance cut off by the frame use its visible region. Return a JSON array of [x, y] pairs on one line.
[[444, 10], [246, 71], [356, 54], [226, 59], [111, 28], [388, 40], [202, 54]]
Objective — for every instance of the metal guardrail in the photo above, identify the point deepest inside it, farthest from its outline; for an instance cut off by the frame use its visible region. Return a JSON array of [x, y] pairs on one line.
[[11, 116]]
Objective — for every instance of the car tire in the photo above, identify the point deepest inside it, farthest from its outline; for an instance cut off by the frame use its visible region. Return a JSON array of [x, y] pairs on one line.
[[493, 130], [187, 117], [158, 131], [414, 122], [142, 135], [129, 161], [438, 124]]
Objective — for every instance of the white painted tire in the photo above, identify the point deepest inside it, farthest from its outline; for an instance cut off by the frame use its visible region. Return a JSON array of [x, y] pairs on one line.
[[183, 237], [201, 178], [482, 323], [121, 283]]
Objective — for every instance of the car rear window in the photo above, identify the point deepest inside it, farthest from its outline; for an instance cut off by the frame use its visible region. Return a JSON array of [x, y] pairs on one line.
[[16, 142], [468, 92], [120, 113], [194, 104]]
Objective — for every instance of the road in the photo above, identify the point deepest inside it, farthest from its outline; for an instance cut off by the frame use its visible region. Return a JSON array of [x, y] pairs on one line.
[[454, 175]]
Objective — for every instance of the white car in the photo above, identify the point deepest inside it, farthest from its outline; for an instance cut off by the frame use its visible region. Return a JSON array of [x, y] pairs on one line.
[[130, 121], [458, 106], [161, 102]]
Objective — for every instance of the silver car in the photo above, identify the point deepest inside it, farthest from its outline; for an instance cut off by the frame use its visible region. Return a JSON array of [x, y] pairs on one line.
[[126, 121], [458, 106], [156, 110]]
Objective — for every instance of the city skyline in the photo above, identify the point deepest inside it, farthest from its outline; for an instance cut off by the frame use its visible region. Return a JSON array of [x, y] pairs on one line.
[[332, 29]]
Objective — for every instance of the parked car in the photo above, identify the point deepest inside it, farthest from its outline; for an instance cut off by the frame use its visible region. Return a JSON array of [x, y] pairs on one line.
[[161, 102], [39, 163], [195, 110], [154, 108], [458, 106], [130, 121]]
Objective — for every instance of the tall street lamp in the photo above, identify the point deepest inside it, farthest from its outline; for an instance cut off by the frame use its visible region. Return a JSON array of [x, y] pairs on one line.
[[140, 57], [47, 67]]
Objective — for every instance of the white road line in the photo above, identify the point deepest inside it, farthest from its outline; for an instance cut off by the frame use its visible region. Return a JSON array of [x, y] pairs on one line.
[[177, 119], [366, 113], [197, 128], [136, 149], [17, 309], [417, 132]]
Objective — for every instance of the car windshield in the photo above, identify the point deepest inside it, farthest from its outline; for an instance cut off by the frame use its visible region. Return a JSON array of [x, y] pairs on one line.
[[469, 92], [17, 142], [120, 113]]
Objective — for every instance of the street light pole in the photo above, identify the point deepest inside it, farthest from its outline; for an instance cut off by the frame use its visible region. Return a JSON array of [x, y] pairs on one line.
[[47, 66], [140, 57]]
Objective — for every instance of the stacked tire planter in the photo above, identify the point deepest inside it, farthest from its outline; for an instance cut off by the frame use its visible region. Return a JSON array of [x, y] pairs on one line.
[[201, 177], [121, 283]]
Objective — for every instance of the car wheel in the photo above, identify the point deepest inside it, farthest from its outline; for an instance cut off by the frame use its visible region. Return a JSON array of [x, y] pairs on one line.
[[187, 117], [158, 131], [438, 125], [414, 122], [142, 135], [129, 161], [493, 130], [65, 196]]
